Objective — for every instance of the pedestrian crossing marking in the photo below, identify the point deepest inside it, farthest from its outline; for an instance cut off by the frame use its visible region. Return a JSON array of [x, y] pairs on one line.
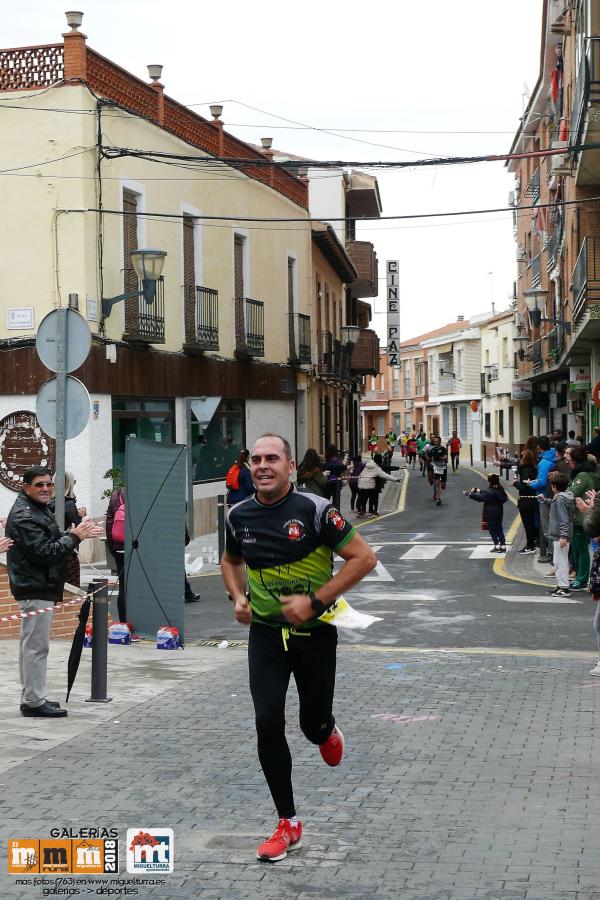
[[423, 551], [483, 551], [516, 598]]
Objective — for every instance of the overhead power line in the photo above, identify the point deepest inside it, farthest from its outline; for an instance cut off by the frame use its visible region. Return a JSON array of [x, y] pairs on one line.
[[264, 162]]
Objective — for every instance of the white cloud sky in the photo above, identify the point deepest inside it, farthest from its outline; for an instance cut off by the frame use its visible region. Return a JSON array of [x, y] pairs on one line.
[[431, 71]]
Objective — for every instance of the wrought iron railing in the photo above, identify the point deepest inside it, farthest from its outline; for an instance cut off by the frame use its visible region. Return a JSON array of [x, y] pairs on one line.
[[147, 323], [586, 277], [536, 271], [207, 318], [554, 243], [249, 327], [301, 349], [326, 354], [533, 188], [587, 88]]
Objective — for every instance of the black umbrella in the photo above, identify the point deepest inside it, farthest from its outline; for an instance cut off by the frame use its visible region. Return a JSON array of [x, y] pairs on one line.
[[77, 645]]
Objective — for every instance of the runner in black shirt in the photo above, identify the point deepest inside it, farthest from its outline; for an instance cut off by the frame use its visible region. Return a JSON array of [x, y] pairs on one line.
[[279, 548], [438, 457]]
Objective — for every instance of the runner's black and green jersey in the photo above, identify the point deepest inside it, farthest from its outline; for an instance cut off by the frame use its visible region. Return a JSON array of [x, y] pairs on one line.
[[287, 547]]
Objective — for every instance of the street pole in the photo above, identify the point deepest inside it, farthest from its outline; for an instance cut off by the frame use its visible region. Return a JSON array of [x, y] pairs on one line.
[[100, 642], [189, 467], [61, 395]]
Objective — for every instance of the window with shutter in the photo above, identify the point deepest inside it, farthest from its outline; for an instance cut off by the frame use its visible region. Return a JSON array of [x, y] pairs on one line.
[[291, 303], [130, 243], [189, 280]]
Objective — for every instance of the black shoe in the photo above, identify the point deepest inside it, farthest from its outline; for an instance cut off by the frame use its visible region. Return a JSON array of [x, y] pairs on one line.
[[45, 710], [53, 704], [192, 598], [525, 550]]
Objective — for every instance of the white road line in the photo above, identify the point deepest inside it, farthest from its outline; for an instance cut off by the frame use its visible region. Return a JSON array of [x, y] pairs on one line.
[[483, 551], [424, 551], [522, 599]]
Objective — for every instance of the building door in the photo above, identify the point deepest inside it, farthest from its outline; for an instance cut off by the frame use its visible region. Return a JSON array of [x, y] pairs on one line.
[[435, 424], [291, 263]]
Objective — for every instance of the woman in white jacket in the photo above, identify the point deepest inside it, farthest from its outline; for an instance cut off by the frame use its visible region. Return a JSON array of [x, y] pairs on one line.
[[369, 487]]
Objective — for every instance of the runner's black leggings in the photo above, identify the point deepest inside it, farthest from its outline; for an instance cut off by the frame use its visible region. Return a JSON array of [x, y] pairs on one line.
[[310, 657]]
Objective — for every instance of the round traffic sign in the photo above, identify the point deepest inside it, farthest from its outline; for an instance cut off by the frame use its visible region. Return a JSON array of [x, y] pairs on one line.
[[78, 340], [77, 407]]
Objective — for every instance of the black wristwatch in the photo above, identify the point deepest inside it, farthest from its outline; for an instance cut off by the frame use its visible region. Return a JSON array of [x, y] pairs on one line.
[[318, 607]]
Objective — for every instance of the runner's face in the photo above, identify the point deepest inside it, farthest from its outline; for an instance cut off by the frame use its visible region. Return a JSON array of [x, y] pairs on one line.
[[270, 469]]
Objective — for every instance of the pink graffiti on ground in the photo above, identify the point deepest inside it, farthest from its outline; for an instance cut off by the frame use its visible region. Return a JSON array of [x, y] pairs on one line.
[[404, 720]]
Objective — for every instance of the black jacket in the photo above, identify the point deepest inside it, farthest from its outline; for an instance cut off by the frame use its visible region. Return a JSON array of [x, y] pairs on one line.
[[493, 500], [37, 561], [72, 516]]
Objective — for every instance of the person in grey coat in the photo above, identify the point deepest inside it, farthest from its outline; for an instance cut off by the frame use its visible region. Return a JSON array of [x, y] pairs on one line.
[[560, 529]]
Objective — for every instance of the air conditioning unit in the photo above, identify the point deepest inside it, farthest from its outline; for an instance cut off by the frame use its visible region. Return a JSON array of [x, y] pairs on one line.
[[521, 254], [560, 163], [512, 198]]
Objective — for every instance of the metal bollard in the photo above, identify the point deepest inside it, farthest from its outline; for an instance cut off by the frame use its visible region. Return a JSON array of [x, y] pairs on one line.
[[484, 457], [100, 642], [221, 524], [471, 452]]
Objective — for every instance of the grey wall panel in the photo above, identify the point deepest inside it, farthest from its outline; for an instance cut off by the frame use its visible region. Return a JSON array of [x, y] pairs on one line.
[[154, 535]]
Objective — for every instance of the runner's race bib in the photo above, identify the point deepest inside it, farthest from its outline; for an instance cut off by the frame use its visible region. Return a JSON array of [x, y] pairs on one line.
[[439, 468]]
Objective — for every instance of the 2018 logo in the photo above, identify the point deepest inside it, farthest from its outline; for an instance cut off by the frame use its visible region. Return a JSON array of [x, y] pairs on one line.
[[42, 856], [150, 850]]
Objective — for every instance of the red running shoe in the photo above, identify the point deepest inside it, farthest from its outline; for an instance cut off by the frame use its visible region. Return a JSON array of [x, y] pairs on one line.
[[332, 750], [285, 837]]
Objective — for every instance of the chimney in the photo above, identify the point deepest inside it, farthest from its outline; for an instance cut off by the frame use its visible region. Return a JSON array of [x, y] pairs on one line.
[[267, 143]]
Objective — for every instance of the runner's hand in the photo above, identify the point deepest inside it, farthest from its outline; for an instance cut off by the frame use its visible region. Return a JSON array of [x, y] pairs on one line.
[[5, 544], [297, 608], [242, 611]]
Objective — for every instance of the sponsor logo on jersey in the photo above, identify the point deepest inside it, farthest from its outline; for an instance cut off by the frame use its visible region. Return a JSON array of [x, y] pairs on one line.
[[295, 529], [336, 519]]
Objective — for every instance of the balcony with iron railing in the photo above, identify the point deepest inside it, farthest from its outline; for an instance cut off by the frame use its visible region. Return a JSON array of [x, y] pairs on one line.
[[145, 322], [533, 188], [553, 245], [201, 309], [536, 271], [586, 278], [587, 90], [376, 396], [300, 345], [249, 327], [325, 366]]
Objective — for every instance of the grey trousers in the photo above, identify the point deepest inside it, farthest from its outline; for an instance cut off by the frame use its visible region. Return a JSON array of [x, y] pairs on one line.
[[560, 559], [33, 652]]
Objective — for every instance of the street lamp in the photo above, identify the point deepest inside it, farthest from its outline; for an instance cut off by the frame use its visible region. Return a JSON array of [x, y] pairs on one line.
[[350, 335], [148, 265], [535, 312]]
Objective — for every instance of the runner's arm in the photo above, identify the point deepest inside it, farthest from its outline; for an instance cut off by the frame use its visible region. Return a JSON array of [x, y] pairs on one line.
[[233, 571], [359, 560]]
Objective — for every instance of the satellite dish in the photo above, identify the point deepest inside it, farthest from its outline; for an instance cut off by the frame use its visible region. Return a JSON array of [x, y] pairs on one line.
[[79, 340], [77, 407]]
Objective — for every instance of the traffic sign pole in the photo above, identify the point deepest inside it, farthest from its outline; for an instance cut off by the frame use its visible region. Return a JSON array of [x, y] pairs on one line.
[[61, 392]]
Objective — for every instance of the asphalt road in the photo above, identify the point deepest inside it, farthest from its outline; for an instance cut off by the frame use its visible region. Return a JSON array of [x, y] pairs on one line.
[[434, 586]]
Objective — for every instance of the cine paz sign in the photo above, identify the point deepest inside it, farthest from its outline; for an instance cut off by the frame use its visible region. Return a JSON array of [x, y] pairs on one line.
[[392, 267]]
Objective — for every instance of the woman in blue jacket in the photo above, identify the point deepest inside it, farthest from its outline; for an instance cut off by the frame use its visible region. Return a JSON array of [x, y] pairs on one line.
[[493, 510]]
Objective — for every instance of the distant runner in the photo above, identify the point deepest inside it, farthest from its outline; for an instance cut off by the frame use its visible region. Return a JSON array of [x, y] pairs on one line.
[[454, 445], [438, 459]]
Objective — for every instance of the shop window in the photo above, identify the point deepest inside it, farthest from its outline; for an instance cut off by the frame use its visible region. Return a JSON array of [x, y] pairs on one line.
[[216, 443], [501, 423], [153, 420]]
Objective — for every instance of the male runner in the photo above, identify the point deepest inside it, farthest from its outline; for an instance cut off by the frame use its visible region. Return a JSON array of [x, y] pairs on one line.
[[454, 445], [438, 460], [279, 548]]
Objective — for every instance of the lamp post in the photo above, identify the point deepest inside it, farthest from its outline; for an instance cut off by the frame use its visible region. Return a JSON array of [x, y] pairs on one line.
[[350, 336], [148, 265], [537, 296]]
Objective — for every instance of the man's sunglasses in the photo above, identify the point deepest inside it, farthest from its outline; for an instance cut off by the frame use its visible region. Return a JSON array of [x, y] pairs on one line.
[[42, 484]]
